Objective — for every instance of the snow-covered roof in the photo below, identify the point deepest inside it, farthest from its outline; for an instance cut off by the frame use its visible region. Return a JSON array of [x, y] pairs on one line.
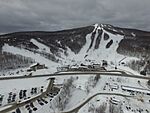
[[135, 89]]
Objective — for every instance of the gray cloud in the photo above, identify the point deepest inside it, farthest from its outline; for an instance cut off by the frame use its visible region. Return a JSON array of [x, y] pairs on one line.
[[22, 15]]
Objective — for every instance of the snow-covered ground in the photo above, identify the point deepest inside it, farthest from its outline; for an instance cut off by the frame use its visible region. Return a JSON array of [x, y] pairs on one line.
[[76, 89], [38, 58], [16, 85], [42, 47], [102, 53], [85, 55], [82, 88], [106, 85]]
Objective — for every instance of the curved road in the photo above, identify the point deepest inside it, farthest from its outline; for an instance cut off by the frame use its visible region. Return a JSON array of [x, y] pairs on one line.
[[75, 110], [33, 99]]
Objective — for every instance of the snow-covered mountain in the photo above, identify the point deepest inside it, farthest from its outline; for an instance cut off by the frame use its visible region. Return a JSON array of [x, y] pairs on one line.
[[91, 44], [116, 85]]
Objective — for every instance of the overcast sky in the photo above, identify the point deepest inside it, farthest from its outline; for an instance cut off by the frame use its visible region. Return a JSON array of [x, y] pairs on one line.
[[30, 15]]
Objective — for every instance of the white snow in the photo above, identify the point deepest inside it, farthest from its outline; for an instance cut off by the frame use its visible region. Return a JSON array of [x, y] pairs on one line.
[[42, 47], [102, 53], [83, 87], [74, 101], [38, 58], [18, 84], [133, 34]]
